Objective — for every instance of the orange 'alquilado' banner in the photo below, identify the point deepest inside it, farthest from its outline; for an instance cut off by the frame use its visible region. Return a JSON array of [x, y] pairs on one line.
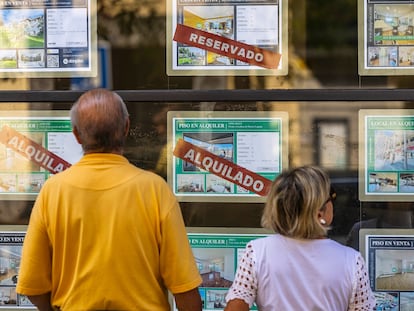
[[214, 43], [221, 167], [32, 150]]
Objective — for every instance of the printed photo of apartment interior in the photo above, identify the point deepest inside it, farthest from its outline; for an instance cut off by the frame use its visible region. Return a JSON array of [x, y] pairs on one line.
[[387, 301], [216, 266], [216, 299], [406, 301], [394, 270], [221, 144], [218, 20], [396, 21]]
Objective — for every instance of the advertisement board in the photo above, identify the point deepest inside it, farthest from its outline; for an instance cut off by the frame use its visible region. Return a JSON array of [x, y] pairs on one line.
[[227, 37], [11, 244], [389, 256], [386, 37], [33, 146], [217, 252], [386, 155], [225, 156], [48, 38]]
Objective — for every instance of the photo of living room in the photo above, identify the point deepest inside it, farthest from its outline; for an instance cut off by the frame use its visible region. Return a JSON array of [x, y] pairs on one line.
[[394, 270], [394, 24], [218, 20], [216, 266], [213, 19]]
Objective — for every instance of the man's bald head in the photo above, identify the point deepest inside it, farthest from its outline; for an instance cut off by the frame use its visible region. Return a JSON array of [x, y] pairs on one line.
[[100, 121]]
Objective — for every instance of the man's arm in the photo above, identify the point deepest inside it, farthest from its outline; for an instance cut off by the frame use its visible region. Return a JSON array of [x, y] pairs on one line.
[[42, 302], [188, 301], [237, 305]]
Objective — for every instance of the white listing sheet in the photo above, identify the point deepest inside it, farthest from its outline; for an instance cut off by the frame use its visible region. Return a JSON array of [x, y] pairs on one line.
[[67, 27], [257, 24]]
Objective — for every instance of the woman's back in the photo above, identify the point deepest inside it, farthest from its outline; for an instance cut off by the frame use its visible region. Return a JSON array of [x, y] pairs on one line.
[[297, 274], [299, 268]]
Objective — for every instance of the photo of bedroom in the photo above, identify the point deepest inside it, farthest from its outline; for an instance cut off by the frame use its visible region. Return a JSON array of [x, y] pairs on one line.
[[394, 270]]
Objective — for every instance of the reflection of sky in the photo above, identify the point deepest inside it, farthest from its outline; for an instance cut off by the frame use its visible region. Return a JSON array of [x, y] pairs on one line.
[[7, 53], [214, 148], [13, 16], [197, 142], [386, 133], [10, 250]]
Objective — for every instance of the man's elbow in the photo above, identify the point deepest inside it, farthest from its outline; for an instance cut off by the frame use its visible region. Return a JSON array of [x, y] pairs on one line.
[[188, 301]]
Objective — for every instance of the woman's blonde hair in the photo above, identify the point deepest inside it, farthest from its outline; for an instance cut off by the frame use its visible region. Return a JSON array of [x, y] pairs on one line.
[[293, 203]]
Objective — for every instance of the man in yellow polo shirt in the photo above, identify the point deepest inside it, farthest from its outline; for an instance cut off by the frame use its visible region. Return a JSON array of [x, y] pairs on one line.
[[104, 234]]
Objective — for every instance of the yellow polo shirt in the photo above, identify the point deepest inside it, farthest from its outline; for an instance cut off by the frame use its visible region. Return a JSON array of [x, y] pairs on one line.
[[105, 234]]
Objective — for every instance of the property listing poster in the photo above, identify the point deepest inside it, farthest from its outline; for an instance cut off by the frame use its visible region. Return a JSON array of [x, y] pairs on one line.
[[11, 243], [32, 148], [390, 262], [41, 38], [386, 39], [217, 257], [387, 155], [220, 37], [253, 141]]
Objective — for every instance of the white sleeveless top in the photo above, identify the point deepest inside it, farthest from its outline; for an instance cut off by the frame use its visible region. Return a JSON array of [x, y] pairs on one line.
[[281, 273]]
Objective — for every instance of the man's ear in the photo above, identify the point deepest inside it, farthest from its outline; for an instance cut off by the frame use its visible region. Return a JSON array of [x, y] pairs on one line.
[[77, 136], [127, 127]]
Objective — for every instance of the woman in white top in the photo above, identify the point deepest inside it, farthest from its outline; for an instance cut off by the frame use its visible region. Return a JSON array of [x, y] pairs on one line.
[[299, 268]]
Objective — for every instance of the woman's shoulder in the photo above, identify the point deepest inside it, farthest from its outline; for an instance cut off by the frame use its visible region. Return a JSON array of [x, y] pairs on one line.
[[272, 238], [342, 249]]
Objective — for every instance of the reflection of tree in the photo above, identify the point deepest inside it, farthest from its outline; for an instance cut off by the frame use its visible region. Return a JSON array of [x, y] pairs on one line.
[[132, 22]]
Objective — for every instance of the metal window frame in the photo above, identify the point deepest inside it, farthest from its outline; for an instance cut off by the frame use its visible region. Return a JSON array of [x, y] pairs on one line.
[[241, 95]]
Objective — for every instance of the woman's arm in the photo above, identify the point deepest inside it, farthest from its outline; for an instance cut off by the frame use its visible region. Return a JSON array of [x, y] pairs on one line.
[[362, 298], [243, 291], [237, 305]]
